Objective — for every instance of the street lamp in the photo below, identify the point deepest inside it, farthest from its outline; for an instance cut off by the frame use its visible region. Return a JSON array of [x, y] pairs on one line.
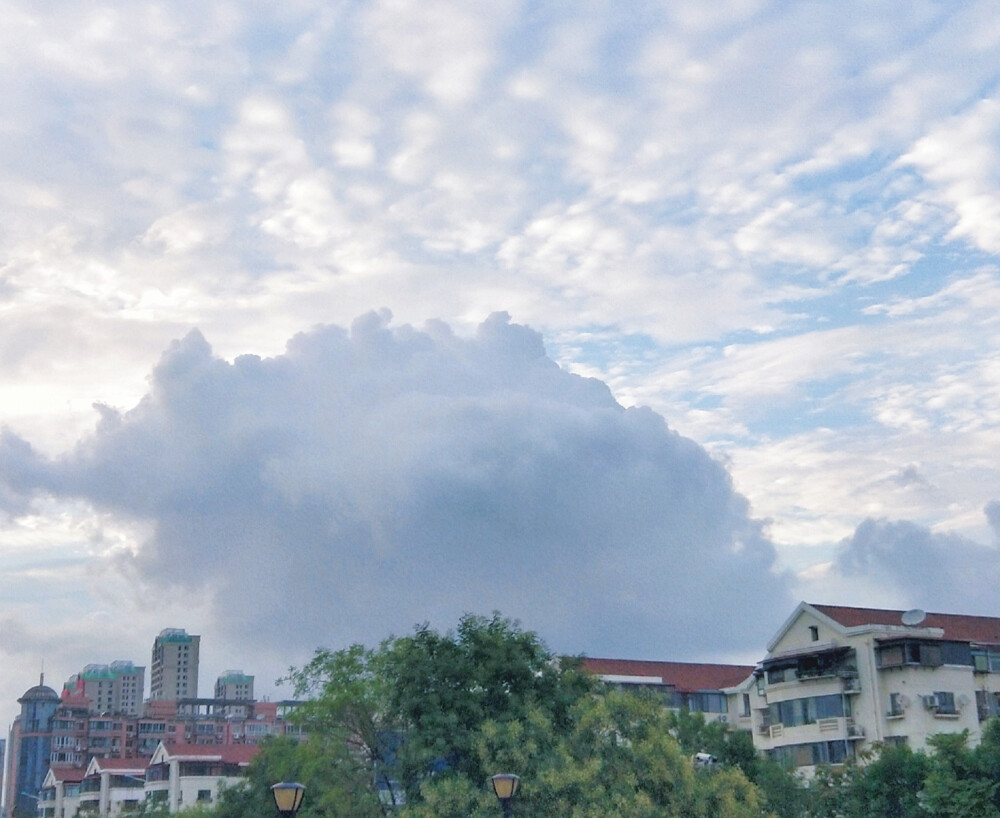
[[288, 798], [505, 785]]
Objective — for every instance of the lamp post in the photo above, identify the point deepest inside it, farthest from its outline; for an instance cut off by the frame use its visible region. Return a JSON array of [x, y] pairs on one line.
[[288, 798], [505, 785]]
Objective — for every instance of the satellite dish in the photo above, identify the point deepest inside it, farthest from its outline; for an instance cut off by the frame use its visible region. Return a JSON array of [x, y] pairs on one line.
[[914, 616]]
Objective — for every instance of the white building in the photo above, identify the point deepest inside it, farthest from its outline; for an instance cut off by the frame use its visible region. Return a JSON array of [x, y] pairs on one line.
[[112, 786], [60, 793], [185, 775], [838, 679]]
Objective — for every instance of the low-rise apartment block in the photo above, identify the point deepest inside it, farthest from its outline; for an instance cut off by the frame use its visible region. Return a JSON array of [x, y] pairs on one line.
[[837, 679]]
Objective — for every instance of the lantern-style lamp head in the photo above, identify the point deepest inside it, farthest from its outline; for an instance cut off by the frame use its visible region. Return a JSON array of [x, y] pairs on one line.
[[505, 785], [288, 798]]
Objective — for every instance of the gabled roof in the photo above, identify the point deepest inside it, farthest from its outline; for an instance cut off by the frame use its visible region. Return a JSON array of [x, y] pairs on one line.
[[66, 773], [240, 754], [983, 630], [133, 766], [686, 677]]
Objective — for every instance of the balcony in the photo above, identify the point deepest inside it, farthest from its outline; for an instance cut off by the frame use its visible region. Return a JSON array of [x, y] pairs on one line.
[[837, 727]]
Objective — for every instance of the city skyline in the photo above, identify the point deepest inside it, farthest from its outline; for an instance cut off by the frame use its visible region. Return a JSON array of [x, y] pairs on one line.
[[323, 321]]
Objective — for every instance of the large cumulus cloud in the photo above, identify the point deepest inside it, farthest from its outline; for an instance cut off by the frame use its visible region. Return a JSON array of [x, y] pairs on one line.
[[369, 479]]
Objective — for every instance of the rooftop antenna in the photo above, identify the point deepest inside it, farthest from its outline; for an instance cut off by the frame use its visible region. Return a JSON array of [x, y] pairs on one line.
[[913, 617]]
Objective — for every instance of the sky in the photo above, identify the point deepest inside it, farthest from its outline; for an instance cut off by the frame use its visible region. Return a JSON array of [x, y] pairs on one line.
[[638, 323]]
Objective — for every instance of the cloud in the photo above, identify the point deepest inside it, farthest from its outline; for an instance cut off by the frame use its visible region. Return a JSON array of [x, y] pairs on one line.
[[369, 479], [923, 568]]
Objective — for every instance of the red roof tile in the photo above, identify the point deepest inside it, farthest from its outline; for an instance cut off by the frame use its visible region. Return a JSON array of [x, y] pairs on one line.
[[983, 630], [229, 753], [687, 677], [67, 773], [122, 763]]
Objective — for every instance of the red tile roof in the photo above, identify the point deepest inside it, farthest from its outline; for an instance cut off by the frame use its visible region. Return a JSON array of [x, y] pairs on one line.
[[983, 630], [687, 677], [67, 773], [228, 753], [122, 763]]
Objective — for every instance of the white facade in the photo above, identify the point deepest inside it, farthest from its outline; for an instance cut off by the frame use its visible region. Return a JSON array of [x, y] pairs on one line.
[[187, 775], [60, 793], [114, 785], [836, 680]]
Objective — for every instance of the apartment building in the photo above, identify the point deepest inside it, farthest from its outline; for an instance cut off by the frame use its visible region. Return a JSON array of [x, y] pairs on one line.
[[101, 718], [60, 793], [115, 688], [111, 786], [716, 691], [837, 679], [191, 775], [178, 777], [173, 672], [234, 685]]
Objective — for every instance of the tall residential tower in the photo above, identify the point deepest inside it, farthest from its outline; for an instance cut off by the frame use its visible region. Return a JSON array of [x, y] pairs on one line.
[[174, 666]]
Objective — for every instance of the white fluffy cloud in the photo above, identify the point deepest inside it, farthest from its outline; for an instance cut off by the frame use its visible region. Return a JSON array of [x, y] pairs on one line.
[[364, 481]]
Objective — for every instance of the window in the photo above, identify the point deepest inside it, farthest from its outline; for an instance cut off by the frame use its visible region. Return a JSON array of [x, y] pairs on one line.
[[910, 652], [945, 702], [814, 633], [895, 704], [706, 702], [204, 795], [806, 755], [746, 704], [796, 712]]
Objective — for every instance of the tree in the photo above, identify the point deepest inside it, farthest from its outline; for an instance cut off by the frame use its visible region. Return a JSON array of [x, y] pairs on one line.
[[888, 784], [954, 787], [413, 707], [422, 721], [337, 784]]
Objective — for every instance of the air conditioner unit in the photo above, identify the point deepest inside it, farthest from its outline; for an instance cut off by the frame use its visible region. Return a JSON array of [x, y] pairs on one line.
[[723, 718], [930, 702]]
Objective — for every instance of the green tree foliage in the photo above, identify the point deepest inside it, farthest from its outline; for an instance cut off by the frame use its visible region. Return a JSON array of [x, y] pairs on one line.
[[887, 783], [426, 719], [955, 786], [414, 706], [781, 791]]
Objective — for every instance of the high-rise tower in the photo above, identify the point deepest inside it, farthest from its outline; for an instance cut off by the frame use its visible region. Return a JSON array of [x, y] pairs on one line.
[[174, 666]]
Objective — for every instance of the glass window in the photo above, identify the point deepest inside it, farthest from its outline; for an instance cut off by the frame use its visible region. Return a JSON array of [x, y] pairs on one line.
[[945, 701], [890, 656]]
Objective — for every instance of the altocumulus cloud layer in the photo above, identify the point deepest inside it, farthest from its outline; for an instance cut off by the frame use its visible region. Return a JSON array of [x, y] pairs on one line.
[[366, 480]]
